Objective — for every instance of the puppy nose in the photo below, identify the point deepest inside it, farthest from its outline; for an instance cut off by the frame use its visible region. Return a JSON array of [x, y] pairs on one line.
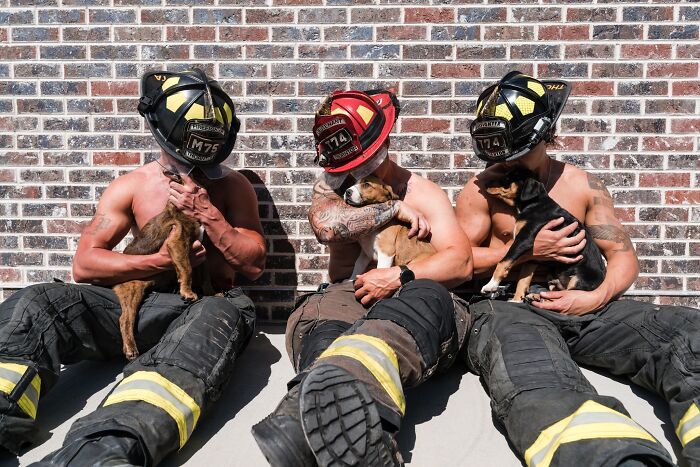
[[348, 193]]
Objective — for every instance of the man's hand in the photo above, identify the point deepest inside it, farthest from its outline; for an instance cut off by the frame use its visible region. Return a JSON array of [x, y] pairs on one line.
[[570, 302], [190, 198], [556, 245], [198, 254], [377, 284], [419, 224]]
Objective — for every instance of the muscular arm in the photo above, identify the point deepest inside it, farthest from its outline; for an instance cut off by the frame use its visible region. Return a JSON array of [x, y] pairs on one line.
[[452, 264], [94, 260], [613, 241], [474, 218], [243, 246], [334, 221], [237, 233]]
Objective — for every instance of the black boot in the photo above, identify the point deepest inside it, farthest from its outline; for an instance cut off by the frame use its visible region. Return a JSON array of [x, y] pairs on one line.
[[280, 436], [108, 449], [341, 421]]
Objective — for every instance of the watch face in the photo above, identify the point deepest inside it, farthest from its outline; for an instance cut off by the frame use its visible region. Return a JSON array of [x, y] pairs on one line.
[[406, 275]]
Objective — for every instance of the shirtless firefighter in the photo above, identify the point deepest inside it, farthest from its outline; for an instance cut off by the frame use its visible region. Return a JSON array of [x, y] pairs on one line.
[[356, 346], [188, 348]]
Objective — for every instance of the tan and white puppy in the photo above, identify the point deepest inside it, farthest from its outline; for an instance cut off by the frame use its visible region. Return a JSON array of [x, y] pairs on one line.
[[389, 245]]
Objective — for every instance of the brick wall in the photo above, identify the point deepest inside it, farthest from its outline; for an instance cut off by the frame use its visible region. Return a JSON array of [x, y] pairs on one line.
[[69, 84]]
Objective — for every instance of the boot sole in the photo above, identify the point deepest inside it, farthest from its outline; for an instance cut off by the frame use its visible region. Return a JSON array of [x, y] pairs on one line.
[[341, 422]]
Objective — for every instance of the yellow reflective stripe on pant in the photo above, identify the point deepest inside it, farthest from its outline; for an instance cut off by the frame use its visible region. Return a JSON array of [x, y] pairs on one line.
[[377, 357], [10, 375], [591, 421], [154, 389], [689, 426]]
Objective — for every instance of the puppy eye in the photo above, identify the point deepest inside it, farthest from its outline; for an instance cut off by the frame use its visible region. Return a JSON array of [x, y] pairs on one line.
[[364, 184]]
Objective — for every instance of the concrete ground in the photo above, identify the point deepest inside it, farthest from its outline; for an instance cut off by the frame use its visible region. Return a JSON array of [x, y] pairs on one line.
[[448, 420]]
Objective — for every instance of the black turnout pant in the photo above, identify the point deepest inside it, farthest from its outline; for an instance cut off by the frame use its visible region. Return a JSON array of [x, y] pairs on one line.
[[188, 350], [553, 416]]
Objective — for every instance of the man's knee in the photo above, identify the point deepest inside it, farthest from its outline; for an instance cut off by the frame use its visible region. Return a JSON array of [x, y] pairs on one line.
[[426, 310], [318, 340]]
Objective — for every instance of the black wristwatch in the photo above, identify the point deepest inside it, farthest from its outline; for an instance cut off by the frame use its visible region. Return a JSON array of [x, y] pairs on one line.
[[406, 275]]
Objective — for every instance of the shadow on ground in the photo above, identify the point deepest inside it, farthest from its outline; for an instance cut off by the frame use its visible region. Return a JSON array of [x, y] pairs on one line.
[[250, 375], [425, 402]]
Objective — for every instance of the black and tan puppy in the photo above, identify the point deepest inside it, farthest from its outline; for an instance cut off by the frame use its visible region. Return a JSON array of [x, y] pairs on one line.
[[148, 241], [520, 189], [390, 245]]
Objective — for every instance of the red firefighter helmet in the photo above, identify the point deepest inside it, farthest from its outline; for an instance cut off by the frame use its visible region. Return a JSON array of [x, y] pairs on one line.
[[350, 128]]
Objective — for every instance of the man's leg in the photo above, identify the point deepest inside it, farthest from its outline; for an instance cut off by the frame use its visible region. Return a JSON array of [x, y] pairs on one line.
[[154, 409], [317, 320], [552, 414], [49, 325], [352, 400], [658, 347]]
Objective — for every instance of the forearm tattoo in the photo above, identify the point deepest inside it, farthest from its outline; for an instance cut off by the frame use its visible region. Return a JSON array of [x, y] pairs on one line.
[[333, 220]]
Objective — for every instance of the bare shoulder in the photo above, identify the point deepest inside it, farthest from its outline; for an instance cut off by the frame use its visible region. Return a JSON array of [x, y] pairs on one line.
[[421, 192]]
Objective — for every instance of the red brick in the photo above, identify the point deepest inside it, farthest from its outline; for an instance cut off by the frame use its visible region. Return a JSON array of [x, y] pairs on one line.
[[455, 70], [116, 158], [646, 51], [66, 226], [7, 175], [686, 125], [568, 143], [664, 179], [425, 125], [115, 88], [672, 70], [564, 33], [190, 33], [668, 143], [401, 33], [624, 214], [691, 197], [688, 51], [686, 88], [429, 15], [592, 88], [268, 124], [3, 34], [243, 33], [10, 275]]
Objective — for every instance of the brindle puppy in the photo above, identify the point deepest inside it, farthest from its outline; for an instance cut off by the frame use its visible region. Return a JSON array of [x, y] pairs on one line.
[[148, 241]]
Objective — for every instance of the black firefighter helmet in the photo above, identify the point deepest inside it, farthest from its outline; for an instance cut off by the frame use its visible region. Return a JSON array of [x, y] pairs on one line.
[[515, 114], [191, 117]]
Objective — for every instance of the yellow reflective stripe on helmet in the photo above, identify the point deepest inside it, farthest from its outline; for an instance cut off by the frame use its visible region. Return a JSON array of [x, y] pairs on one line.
[[154, 389], [10, 375], [377, 357], [591, 421], [689, 426]]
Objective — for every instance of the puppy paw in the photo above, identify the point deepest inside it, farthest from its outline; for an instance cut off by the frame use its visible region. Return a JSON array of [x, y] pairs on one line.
[[188, 295], [491, 287], [516, 300], [533, 297], [130, 352]]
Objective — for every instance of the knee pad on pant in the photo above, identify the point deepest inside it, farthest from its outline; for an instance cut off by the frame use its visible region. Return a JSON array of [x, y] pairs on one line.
[[426, 310], [318, 340]]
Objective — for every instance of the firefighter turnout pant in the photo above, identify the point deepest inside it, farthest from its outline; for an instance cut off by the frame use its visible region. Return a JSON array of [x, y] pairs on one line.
[[528, 359], [398, 343], [188, 350]]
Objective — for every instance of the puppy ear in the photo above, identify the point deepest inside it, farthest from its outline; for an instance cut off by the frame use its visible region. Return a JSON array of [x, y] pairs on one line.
[[392, 195], [530, 189]]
